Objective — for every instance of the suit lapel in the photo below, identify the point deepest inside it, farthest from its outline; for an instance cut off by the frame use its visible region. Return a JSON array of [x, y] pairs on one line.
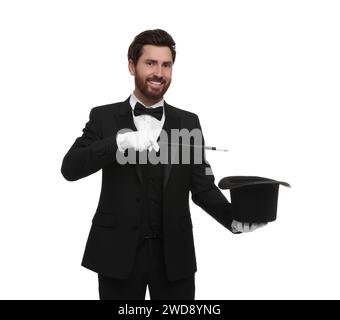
[[125, 121], [171, 122]]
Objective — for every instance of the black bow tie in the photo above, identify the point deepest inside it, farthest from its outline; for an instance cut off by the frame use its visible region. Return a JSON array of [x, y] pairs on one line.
[[154, 112]]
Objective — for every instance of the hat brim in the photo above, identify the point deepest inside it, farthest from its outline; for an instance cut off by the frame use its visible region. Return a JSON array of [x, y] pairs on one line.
[[233, 182]]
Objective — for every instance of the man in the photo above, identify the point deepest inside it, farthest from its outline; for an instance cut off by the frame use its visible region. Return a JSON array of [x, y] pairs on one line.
[[141, 233]]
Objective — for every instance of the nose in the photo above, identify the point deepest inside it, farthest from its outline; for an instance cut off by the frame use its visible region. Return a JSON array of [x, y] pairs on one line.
[[158, 71]]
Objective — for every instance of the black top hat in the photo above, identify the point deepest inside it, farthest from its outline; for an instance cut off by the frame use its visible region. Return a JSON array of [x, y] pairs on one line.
[[253, 199]]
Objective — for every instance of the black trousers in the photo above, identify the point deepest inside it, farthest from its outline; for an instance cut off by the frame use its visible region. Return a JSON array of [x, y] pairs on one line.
[[148, 270]]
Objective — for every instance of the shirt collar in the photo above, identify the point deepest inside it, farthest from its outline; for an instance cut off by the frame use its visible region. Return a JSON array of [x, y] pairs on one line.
[[134, 100]]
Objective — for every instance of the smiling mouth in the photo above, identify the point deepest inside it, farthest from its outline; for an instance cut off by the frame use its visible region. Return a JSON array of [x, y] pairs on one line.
[[156, 83]]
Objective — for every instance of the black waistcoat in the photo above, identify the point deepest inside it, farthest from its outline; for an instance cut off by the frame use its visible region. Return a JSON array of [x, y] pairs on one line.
[[151, 222]]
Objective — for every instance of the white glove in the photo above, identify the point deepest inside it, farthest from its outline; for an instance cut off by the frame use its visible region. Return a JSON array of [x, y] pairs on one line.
[[138, 140], [238, 226]]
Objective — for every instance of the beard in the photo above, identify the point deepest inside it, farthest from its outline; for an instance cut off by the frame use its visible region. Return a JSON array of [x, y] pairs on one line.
[[150, 92]]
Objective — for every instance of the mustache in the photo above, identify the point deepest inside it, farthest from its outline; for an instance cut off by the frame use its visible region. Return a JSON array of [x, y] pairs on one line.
[[162, 80]]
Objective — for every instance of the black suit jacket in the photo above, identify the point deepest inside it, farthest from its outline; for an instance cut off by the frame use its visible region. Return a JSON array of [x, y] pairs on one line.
[[112, 241]]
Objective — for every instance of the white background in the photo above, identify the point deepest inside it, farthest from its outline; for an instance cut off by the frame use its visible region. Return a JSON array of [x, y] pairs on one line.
[[263, 76]]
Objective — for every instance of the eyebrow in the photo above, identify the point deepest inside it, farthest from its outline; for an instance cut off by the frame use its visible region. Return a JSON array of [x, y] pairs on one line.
[[155, 61]]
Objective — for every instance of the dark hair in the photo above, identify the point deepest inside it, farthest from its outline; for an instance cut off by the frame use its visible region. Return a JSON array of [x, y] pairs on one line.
[[155, 37]]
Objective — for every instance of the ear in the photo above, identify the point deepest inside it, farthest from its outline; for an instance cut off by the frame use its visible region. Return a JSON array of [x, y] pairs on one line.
[[132, 67]]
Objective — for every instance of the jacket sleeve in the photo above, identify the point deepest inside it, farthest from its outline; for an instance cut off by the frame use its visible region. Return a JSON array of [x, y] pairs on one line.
[[205, 193], [90, 152]]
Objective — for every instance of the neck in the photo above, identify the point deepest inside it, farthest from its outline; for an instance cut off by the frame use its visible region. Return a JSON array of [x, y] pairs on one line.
[[146, 101]]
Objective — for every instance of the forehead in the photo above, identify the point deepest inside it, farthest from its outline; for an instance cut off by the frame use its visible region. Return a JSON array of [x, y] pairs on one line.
[[156, 53]]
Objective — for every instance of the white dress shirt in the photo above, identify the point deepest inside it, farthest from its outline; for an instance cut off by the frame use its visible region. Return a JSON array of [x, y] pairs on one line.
[[146, 123]]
